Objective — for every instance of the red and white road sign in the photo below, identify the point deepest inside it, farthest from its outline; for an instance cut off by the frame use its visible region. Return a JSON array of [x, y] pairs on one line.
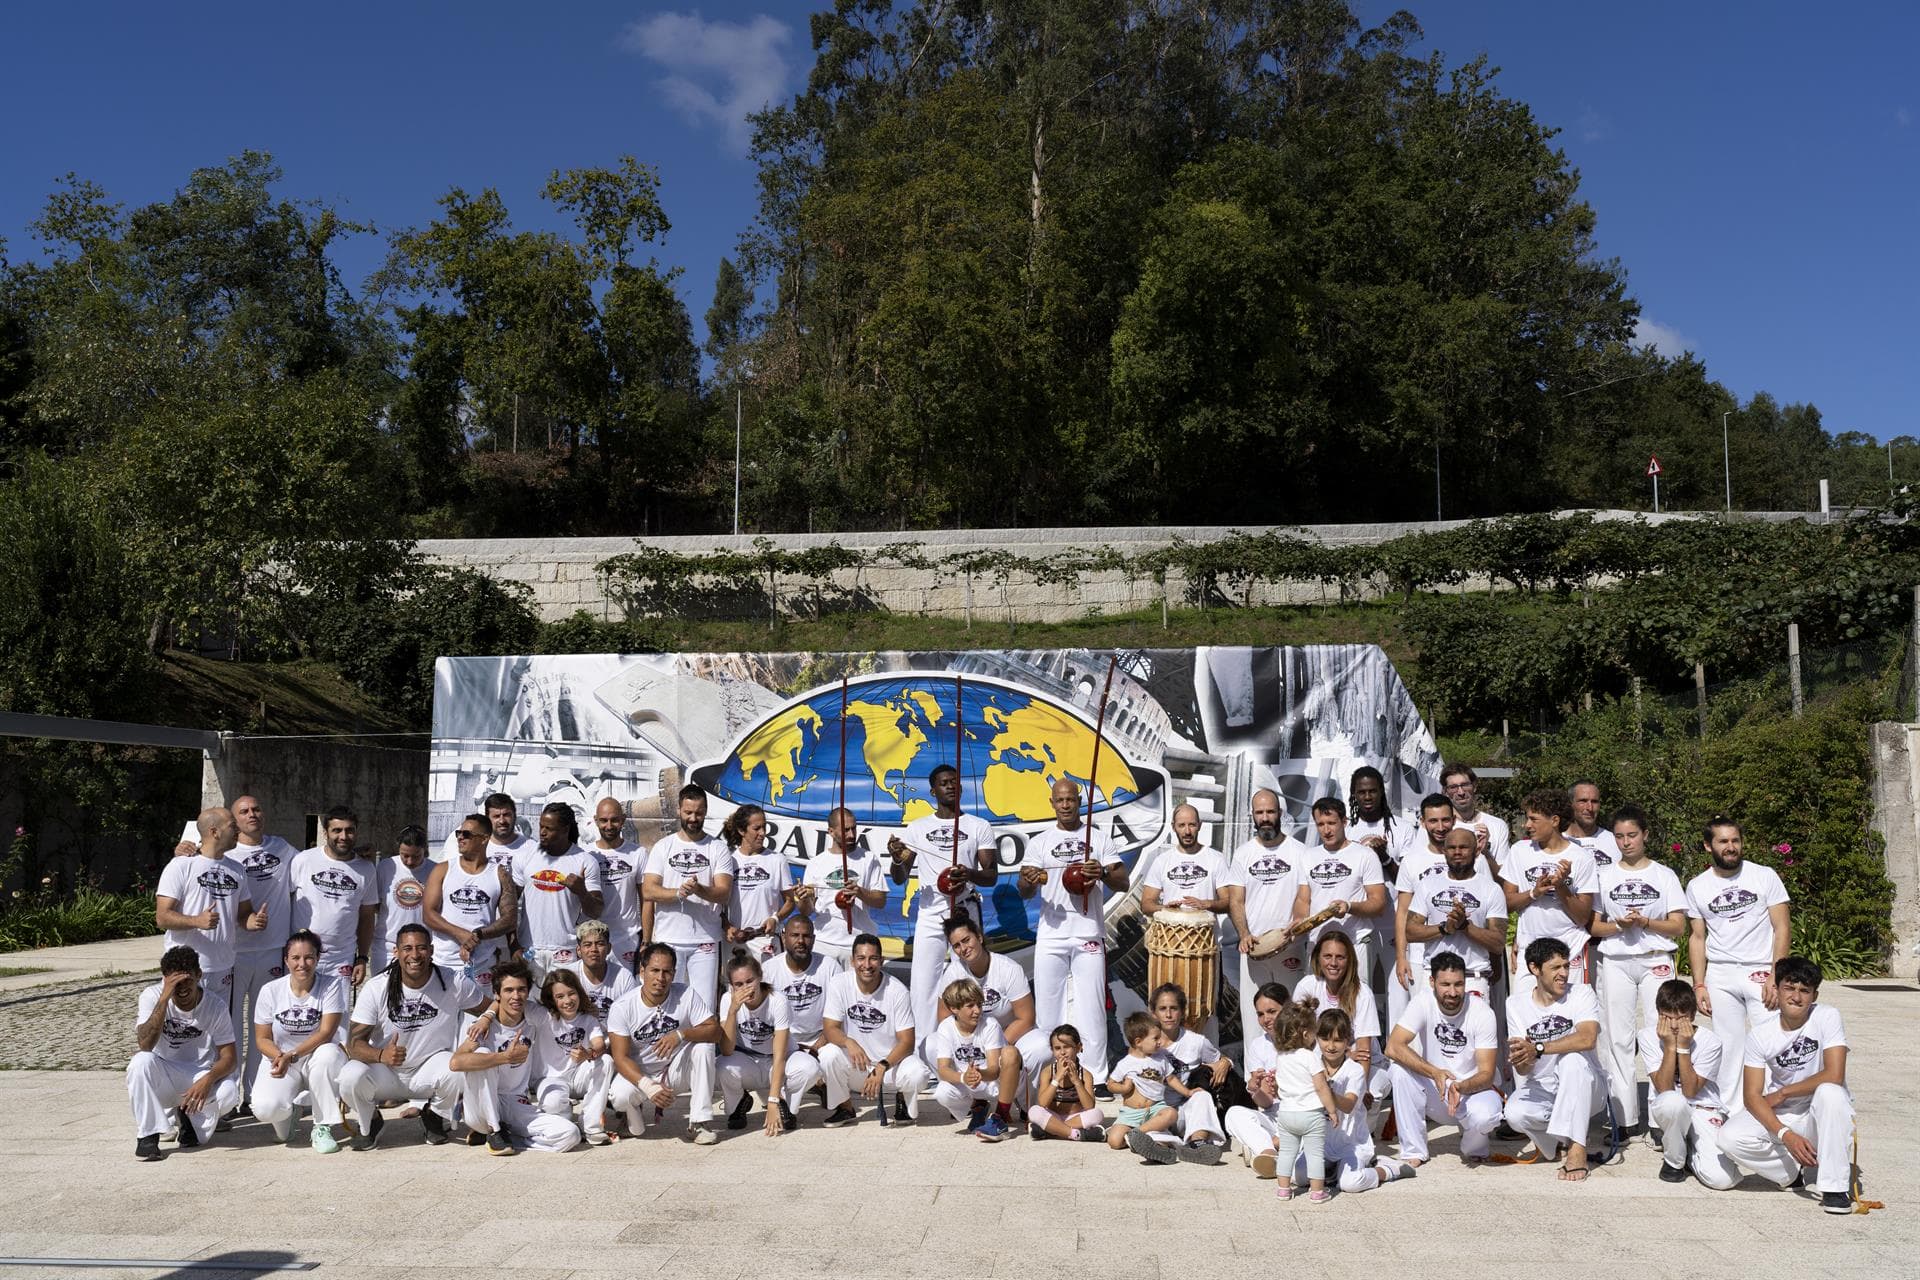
[[1653, 465]]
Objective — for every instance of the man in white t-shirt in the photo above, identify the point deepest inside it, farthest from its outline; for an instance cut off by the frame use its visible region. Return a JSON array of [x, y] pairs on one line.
[[1682, 1061], [497, 1056], [1550, 883], [1346, 876], [1070, 942], [799, 976], [205, 902], [1740, 927], [1443, 1052], [1462, 911], [1419, 858], [504, 841], [868, 1041], [622, 864], [1552, 1043], [336, 895], [840, 887], [688, 880], [559, 884], [603, 980], [1798, 1114], [1461, 785], [401, 881], [401, 1037], [663, 1035], [945, 843], [1583, 824], [1262, 885], [1189, 877], [185, 1057]]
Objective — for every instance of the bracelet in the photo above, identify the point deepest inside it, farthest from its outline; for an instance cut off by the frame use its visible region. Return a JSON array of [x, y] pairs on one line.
[[1685, 1051], [1781, 1133]]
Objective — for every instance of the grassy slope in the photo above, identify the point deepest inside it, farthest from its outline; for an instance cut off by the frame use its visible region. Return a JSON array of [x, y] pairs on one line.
[[258, 697]]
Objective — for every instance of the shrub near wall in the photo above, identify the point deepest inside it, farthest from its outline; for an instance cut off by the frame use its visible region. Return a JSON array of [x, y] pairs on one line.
[[1800, 788]]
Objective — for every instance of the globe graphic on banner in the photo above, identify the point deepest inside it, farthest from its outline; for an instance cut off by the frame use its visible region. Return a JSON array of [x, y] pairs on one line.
[[1012, 747]]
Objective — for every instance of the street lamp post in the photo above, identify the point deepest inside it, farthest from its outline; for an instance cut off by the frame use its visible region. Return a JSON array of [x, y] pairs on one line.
[[1726, 459], [736, 462]]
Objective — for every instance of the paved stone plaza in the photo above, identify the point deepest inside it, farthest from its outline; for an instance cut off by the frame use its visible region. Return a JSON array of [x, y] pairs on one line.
[[869, 1201]]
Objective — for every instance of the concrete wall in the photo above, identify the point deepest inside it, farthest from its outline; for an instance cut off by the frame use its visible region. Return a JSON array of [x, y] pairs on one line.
[[564, 576], [296, 781], [1896, 816]]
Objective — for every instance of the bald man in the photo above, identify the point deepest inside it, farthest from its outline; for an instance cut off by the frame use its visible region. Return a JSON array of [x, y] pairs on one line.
[[1188, 877], [622, 863], [204, 902], [1070, 942], [1263, 882]]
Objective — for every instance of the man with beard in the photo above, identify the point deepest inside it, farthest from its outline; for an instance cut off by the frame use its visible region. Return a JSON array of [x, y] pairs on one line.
[[1462, 911], [869, 1040], [663, 1035], [559, 885], [401, 1039], [184, 1058], [336, 895], [1188, 877], [504, 841], [945, 840], [470, 906], [1070, 942], [1422, 858], [1443, 1051], [1740, 928], [622, 864], [1261, 888], [1554, 1034], [799, 976], [401, 881], [842, 867], [688, 885]]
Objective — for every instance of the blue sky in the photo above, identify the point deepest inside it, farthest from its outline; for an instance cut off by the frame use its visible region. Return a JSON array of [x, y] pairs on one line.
[[1756, 167]]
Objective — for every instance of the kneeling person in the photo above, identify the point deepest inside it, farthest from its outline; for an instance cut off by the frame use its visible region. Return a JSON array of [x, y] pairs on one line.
[[1443, 1051], [868, 1039], [185, 1059], [1555, 1028], [1683, 1064], [296, 1024], [497, 1055], [978, 1070], [663, 1036], [401, 1036]]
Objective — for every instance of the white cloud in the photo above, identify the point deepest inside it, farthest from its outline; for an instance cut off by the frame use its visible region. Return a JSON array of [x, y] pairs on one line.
[[716, 72], [1650, 335], [1594, 127]]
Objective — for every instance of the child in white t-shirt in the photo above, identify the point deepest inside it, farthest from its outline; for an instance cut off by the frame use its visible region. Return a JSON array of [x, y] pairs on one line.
[[1063, 1093], [1296, 1097], [1141, 1080], [978, 1073], [1349, 1141]]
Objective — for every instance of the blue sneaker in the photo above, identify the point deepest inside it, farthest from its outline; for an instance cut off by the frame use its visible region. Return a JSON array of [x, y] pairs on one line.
[[993, 1129], [976, 1118]]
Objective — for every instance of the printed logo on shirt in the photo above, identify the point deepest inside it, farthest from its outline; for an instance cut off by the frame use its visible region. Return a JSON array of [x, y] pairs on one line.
[[1797, 1056], [616, 865], [1450, 1038], [600, 1000], [1448, 899], [656, 1025], [1186, 874], [549, 879], [179, 1030], [751, 875], [755, 1028], [570, 1037], [867, 1017], [333, 883], [1629, 894], [218, 884], [1733, 901], [414, 1013], [262, 864], [470, 895], [688, 860], [409, 894], [969, 1054], [801, 994], [1269, 868], [1330, 872], [1551, 1027], [991, 1001], [303, 1019], [1150, 1073]]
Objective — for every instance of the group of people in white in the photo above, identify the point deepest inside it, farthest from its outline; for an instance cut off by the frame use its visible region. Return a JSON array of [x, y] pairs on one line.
[[529, 990]]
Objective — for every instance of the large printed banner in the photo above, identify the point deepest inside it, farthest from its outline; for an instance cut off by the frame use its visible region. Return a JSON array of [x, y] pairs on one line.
[[799, 734]]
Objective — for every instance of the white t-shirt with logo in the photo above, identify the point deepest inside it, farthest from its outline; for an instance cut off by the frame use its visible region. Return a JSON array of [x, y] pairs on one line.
[[509, 1081], [403, 893], [932, 837], [1365, 1015], [829, 918], [1791, 1056], [870, 1019], [803, 993], [269, 868], [1451, 1043], [686, 922], [1148, 1075], [644, 1024], [469, 900], [294, 1018], [1546, 917], [555, 1038], [1499, 835], [428, 1019], [615, 982], [327, 897], [620, 871], [1600, 846], [1707, 1050], [195, 884], [549, 911], [1201, 874], [1654, 889], [188, 1037], [1351, 1078], [759, 881], [1005, 983], [1064, 914], [1191, 1050], [1735, 907], [1528, 1019], [963, 1050], [1271, 878], [1343, 873], [1434, 898], [753, 1033], [500, 855]]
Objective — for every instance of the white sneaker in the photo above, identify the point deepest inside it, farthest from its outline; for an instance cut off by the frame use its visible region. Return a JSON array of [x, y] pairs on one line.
[[703, 1136]]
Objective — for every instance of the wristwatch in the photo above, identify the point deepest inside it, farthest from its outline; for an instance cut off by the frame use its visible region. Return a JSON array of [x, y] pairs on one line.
[[1539, 1047]]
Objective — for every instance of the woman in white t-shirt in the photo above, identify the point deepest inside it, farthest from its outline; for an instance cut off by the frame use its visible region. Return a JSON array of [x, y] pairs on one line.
[[762, 883], [297, 1026], [749, 1017], [1337, 983], [1639, 915], [574, 1063]]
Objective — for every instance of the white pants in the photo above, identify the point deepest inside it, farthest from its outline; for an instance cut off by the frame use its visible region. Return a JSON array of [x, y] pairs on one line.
[[1735, 992], [843, 1080], [365, 1085], [1198, 1114], [1285, 966], [492, 1109], [958, 1099], [689, 1075], [544, 960], [744, 1073], [1676, 1117], [1351, 1165], [929, 964], [1416, 1100], [622, 949], [1626, 990], [1561, 1108], [317, 1074], [801, 1074], [1825, 1120], [1034, 1051], [252, 971], [155, 1086], [588, 1081], [699, 967], [1070, 974]]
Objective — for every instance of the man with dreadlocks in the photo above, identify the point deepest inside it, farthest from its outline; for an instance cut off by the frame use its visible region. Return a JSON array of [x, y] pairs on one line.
[[405, 1024], [559, 885]]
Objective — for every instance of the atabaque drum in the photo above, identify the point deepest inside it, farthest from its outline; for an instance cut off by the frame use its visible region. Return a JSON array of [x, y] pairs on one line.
[[1183, 949]]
